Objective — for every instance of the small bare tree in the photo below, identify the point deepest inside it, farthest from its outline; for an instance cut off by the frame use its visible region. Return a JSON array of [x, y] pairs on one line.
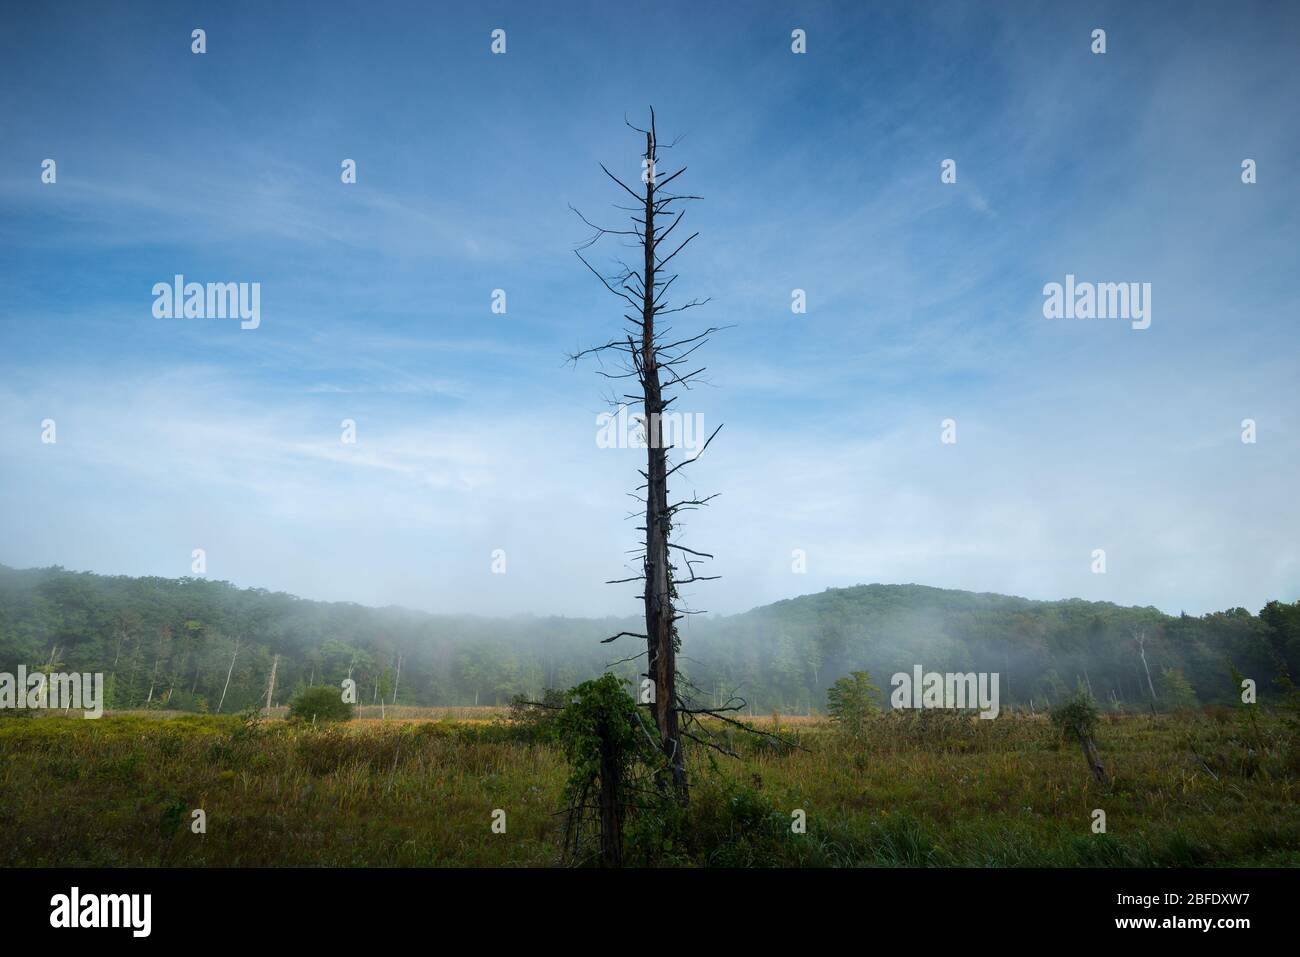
[[270, 687], [657, 359], [1077, 716], [230, 672], [1141, 638]]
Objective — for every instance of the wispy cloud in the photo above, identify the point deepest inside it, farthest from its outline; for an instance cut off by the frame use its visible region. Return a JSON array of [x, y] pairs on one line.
[[819, 173]]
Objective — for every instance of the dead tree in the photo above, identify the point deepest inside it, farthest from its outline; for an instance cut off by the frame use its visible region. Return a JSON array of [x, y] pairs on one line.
[[1089, 746], [270, 688], [1077, 716], [1141, 638], [657, 359], [228, 674]]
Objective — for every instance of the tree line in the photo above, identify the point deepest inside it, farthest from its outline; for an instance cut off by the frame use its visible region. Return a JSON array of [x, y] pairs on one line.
[[200, 645]]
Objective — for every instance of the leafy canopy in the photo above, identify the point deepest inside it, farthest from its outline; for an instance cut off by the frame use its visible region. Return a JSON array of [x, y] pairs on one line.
[[852, 700]]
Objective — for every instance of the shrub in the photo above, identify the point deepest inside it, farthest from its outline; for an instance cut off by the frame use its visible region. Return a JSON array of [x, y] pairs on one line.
[[536, 721], [1077, 715], [606, 746], [1176, 690], [850, 701], [323, 703]]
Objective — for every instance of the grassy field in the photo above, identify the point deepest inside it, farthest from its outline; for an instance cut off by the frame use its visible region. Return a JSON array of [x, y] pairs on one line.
[[919, 789]]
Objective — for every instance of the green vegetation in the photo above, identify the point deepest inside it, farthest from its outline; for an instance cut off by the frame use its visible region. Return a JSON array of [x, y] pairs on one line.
[[1077, 716], [1176, 691], [851, 702], [1181, 784], [321, 704], [606, 743], [915, 789], [171, 644]]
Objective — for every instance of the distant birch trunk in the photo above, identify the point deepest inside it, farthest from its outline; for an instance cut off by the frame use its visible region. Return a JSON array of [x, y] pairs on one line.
[[270, 690], [1141, 639], [229, 672], [153, 679]]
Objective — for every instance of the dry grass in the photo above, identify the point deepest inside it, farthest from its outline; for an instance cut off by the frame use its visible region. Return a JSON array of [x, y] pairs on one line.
[[919, 789]]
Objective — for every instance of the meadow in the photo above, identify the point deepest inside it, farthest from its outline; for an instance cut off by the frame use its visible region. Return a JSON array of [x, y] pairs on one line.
[[1205, 788]]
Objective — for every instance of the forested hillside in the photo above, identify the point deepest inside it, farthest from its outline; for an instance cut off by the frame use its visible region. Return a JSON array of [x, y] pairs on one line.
[[171, 643]]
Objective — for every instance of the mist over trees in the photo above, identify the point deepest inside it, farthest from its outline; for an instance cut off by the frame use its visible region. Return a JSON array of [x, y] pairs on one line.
[[170, 643]]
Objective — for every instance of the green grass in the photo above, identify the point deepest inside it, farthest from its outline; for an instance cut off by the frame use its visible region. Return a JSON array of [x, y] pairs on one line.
[[916, 790]]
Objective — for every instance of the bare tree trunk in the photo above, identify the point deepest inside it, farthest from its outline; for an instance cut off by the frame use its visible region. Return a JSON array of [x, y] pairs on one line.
[[67, 705], [397, 679], [610, 805], [153, 679], [48, 671], [660, 615], [1141, 639], [229, 672], [270, 688], [654, 364], [1090, 755]]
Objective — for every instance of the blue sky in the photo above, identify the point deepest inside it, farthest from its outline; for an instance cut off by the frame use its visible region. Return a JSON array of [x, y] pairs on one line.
[[819, 171]]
